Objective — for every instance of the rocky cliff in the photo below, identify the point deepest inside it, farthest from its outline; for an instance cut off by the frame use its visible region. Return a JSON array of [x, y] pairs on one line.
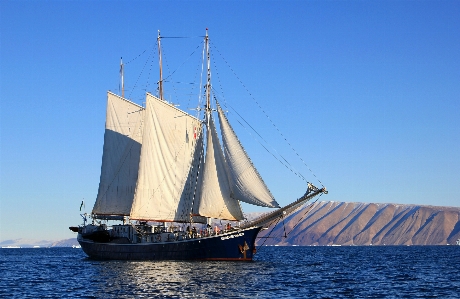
[[341, 223]]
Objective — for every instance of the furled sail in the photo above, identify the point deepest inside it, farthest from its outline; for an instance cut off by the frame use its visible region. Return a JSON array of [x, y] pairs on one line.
[[214, 197], [120, 159], [247, 184], [167, 170]]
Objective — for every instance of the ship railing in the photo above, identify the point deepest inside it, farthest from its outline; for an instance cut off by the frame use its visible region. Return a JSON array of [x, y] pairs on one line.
[[144, 233]]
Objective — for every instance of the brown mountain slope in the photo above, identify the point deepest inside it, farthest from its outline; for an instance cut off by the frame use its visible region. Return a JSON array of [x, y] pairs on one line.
[[341, 223]]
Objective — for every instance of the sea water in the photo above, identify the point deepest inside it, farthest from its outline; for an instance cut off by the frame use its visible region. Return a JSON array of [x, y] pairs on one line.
[[276, 272]]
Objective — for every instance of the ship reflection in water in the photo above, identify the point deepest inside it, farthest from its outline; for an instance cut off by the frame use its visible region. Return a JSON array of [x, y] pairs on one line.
[[178, 279]]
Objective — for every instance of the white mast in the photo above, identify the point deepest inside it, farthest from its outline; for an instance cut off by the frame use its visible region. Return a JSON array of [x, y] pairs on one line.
[[208, 83]]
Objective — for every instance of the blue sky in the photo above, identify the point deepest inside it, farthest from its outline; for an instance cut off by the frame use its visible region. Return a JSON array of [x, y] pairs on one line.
[[367, 92]]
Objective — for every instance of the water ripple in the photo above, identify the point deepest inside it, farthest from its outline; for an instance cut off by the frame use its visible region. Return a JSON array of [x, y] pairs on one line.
[[277, 272]]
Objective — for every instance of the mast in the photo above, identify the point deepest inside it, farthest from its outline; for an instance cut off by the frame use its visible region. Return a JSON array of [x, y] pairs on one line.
[[122, 81], [208, 83], [160, 83]]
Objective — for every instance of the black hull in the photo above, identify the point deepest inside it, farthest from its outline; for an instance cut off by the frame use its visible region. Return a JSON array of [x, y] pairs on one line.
[[232, 246]]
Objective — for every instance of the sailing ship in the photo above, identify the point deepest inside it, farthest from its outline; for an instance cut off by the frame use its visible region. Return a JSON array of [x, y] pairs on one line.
[[166, 177]]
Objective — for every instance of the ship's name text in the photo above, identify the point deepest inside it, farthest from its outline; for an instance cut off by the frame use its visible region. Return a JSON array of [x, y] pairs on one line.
[[232, 236]]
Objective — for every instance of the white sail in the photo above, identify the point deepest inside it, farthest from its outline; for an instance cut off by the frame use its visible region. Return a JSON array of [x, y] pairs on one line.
[[247, 184], [120, 159], [164, 189], [214, 198]]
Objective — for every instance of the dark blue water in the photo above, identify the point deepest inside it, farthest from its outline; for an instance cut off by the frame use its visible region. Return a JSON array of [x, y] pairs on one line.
[[277, 272]]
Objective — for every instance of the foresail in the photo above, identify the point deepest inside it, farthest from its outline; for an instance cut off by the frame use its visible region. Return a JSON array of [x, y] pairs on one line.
[[214, 198], [120, 159], [168, 166], [247, 184]]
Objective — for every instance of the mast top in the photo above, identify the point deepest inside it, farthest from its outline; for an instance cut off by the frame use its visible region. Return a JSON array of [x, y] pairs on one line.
[[122, 80], [160, 83]]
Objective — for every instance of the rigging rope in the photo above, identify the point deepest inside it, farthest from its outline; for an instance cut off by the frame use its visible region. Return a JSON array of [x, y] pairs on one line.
[[135, 57], [172, 73], [266, 238], [287, 164], [140, 74], [165, 79], [201, 36], [284, 227], [266, 115], [303, 216]]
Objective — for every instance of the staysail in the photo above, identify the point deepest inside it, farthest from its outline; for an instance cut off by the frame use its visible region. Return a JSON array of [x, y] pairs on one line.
[[214, 196], [165, 186], [120, 159], [247, 184]]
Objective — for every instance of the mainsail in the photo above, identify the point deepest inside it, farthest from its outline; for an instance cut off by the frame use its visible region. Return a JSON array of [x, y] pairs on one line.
[[247, 184], [169, 157], [214, 196], [120, 159]]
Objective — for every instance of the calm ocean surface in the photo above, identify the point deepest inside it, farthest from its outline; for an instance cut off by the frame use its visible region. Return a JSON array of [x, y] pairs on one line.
[[277, 272]]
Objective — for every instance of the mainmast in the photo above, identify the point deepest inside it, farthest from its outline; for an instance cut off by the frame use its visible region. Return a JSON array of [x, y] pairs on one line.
[[122, 81], [160, 83], [208, 83]]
